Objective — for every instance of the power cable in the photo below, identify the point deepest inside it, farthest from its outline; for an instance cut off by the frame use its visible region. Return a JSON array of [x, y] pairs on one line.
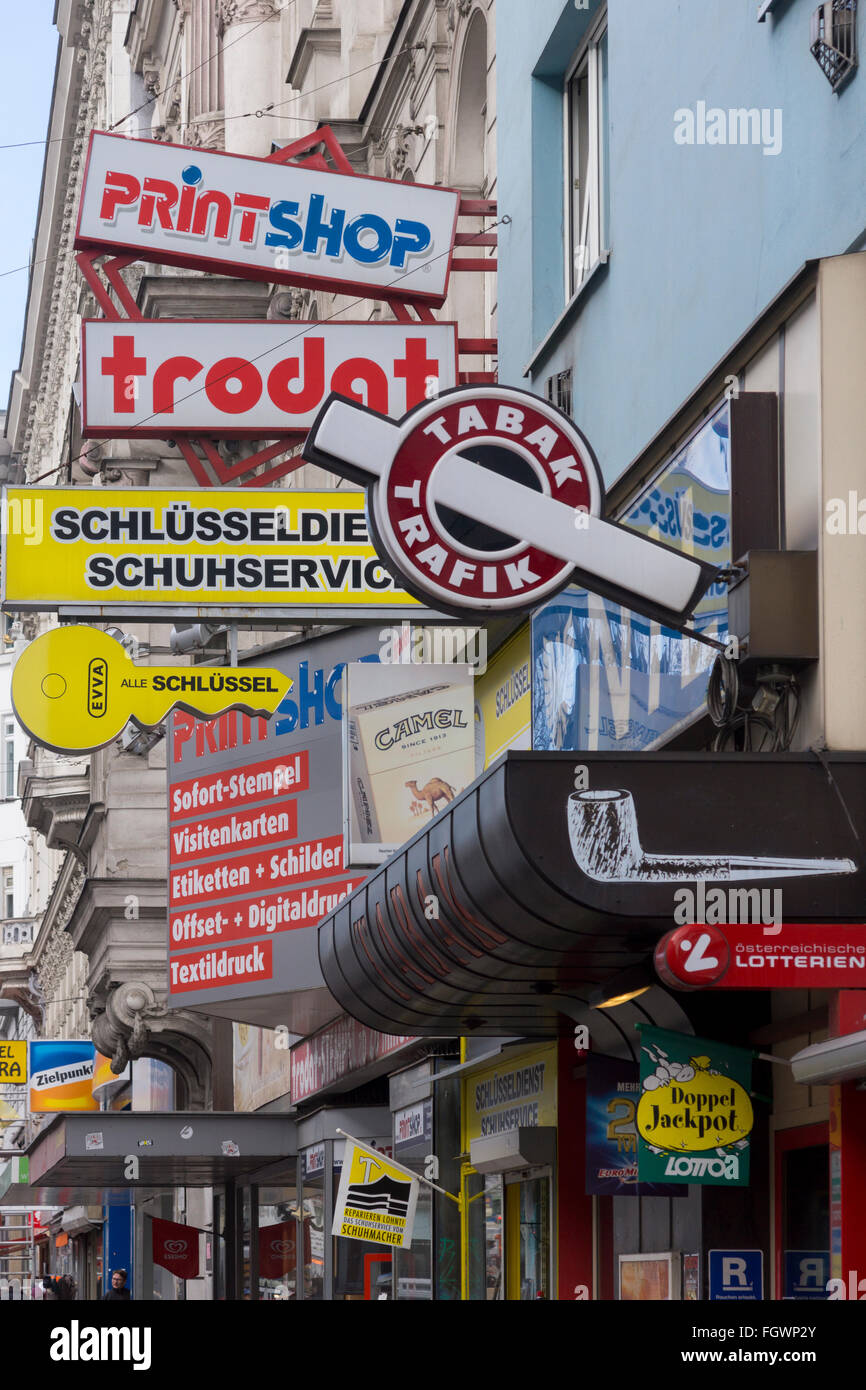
[[504, 220], [205, 63]]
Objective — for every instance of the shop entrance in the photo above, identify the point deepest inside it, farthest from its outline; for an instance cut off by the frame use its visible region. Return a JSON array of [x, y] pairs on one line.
[[802, 1212], [528, 1244]]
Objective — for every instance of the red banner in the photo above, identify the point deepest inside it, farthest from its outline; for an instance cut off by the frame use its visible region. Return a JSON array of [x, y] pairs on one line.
[[278, 1249], [175, 1248]]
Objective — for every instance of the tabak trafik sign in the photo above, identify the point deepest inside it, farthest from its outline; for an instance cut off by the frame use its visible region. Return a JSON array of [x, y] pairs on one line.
[[489, 499], [265, 220]]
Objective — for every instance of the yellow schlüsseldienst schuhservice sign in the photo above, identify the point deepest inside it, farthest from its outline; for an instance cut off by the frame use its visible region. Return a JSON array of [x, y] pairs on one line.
[[232, 548]]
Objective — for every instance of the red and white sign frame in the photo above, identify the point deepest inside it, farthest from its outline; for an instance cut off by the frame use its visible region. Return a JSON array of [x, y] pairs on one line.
[[551, 532], [200, 452], [164, 204]]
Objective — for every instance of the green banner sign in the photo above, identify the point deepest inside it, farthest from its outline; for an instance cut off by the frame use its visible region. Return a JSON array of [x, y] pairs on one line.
[[694, 1116]]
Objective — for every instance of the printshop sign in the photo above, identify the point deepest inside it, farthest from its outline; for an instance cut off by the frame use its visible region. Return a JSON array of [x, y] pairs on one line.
[[694, 1116], [146, 551], [255, 842], [252, 379], [264, 220]]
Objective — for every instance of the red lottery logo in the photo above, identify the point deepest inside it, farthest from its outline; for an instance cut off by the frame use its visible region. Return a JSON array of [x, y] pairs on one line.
[[692, 957]]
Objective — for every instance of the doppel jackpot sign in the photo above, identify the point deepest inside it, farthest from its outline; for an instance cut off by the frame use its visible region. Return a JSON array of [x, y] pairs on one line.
[[266, 220]]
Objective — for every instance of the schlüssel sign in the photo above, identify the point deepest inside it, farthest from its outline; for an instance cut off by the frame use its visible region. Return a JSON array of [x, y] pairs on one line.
[[74, 689], [252, 379], [264, 220]]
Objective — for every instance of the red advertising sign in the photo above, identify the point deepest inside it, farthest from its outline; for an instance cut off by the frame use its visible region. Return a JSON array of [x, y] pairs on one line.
[[266, 220], [252, 379], [341, 1048], [175, 1248], [273, 778], [814, 956], [278, 1249], [255, 849], [311, 859], [237, 921], [210, 969]]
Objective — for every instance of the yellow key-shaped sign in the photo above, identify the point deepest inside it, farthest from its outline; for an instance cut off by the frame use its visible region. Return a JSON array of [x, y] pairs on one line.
[[75, 688]]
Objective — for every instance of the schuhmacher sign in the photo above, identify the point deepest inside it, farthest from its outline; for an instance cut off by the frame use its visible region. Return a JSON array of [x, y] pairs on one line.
[[98, 551], [264, 220], [252, 379], [490, 499]]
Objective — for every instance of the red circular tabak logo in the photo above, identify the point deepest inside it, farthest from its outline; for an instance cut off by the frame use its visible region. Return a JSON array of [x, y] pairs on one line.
[[692, 957], [470, 469]]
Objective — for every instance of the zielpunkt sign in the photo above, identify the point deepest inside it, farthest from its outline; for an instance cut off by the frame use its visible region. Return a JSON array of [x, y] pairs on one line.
[[263, 220]]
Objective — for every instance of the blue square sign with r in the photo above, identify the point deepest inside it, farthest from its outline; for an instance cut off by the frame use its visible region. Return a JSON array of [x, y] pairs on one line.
[[736, 1274]]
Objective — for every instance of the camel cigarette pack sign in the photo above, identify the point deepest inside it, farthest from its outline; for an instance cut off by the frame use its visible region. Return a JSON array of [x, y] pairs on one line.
[[694, 1116], [409, 742]]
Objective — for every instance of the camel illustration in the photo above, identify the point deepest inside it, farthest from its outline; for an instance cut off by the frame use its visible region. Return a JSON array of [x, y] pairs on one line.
[[432, 791]]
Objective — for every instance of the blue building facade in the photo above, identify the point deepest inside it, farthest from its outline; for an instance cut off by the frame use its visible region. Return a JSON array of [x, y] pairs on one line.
[[690, 238]]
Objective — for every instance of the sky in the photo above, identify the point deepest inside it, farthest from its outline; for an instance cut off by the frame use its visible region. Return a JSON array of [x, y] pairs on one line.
[[27, 60]]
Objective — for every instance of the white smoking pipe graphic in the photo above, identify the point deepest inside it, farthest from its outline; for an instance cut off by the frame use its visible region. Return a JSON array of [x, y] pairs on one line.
[[602, 828]]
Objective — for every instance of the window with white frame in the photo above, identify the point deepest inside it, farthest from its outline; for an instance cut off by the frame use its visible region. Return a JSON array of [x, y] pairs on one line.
[[8, 757], [7, 883], [586, 151]]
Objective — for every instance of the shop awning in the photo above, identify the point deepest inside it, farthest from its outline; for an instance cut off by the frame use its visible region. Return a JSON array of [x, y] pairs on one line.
[[193, 1149], [554, 875]]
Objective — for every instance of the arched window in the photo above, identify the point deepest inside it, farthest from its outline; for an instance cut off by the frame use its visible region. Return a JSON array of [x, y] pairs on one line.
[[468, 165]]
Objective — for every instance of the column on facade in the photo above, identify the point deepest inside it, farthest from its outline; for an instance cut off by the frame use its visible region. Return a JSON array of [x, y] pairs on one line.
[[252, 55]]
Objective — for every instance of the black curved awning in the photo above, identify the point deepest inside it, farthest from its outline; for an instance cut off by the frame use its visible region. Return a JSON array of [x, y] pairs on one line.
[[525, 895]]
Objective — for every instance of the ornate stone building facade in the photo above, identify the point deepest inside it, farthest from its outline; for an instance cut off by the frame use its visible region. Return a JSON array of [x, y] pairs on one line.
[[408, 90]]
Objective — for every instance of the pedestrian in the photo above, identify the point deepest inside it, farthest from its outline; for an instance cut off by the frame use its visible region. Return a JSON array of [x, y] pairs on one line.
[[66, 1288], [49, 1287], [118, 1291]]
